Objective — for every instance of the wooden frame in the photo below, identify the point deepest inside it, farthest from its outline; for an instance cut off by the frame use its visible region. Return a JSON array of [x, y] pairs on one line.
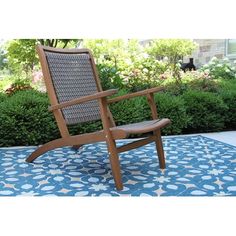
[[110, 131]]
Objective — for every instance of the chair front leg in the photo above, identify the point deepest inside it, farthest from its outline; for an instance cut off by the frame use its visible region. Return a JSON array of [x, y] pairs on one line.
[[111, 145], [115, 163], [157, 133], [159, 147]]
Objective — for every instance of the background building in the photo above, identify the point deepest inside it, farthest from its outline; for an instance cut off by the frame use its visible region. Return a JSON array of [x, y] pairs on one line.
[[209, 48]]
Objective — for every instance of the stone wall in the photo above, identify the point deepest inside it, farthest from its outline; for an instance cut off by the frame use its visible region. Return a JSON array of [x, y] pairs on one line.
[[207, 49]]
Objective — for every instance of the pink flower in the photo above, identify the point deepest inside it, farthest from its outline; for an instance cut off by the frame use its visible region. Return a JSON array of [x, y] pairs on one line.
[[163, 77], [37, 76]]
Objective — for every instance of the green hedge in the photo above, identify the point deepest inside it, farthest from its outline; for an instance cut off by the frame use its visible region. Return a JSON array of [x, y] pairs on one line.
[[172, 107], [206, 111], [137, 109], [229, 98], [25, 119], [2, 97]]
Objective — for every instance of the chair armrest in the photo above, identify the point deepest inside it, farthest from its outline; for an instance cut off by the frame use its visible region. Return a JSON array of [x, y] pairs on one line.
[[136, 94], [83, 99]]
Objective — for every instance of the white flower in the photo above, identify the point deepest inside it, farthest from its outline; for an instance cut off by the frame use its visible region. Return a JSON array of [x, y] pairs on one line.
[[207, 71], [212, 63], [214, 59], [165, 59], [145, 55], [128, 62]]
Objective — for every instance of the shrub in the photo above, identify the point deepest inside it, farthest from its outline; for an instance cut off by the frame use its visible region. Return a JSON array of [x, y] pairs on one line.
[[5, 83], [17, 87], [86, 127], [206, 111], [192, 80], [2, 97], [109, 76], [25, 120], [220, 68], [174, 50], [129, 110], [173, 108], [137, 109], [229, 98]]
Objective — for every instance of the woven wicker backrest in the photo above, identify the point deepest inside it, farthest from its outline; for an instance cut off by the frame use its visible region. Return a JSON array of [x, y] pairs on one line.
[[72, 76]]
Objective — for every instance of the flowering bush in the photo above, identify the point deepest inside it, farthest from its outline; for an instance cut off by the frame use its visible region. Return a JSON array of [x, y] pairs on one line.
[[17, 87], [145, 73], [18, 83], [217, 68], [127, 64], [37, 81]]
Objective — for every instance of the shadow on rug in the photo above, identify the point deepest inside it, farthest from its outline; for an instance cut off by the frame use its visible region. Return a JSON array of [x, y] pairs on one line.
[[195, 166]]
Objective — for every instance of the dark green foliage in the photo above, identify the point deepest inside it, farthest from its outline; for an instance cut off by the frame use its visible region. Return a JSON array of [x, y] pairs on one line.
[[109, 76], [229, 98], [137, 109], [206, 111], [25, 120], [2, 97], [87, 127], [169, 106], [130, 110]]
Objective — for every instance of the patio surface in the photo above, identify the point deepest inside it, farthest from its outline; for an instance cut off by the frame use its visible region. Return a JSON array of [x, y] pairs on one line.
[[228, 137], [197, 165]]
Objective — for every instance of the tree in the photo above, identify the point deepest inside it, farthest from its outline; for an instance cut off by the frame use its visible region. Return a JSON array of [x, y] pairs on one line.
[[63, 43], [173, 49], [21, 53]]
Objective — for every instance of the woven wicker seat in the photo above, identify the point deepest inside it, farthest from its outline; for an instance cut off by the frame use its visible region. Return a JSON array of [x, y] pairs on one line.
[[143, 127], [76, 96]]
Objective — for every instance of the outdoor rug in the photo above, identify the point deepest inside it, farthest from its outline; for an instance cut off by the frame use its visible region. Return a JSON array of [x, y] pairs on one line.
[[195, 166]]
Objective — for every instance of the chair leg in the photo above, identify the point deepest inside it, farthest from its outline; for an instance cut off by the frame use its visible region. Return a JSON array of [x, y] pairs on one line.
[[77, 146], [44, 148], [159, 147], [115, 164]]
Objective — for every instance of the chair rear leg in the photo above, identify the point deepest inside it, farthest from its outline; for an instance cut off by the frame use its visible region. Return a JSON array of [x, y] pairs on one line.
[[115, 163], [159, 147]]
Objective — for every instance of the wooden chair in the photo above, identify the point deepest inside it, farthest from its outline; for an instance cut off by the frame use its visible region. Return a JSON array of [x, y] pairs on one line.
[[76, 96]]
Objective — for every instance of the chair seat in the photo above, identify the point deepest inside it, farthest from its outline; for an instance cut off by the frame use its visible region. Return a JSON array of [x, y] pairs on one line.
[[143, 127]]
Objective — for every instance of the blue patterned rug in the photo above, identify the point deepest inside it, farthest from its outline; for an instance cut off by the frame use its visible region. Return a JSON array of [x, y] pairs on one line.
[[196, 166]]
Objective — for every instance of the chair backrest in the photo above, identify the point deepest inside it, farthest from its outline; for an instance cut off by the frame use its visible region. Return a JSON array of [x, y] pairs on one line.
[[72, 74]]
